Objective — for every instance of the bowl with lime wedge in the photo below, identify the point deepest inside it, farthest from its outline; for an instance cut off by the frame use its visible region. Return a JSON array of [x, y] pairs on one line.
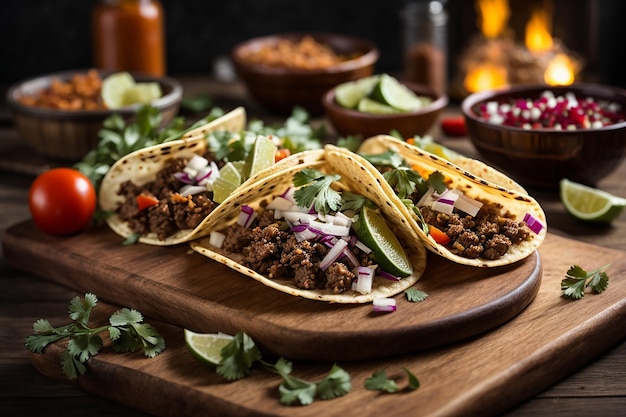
[[381, 104], [59, 115]]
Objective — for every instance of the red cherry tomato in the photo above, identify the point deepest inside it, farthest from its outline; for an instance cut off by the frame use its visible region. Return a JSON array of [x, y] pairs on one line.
[[454, 126], [62, 201]]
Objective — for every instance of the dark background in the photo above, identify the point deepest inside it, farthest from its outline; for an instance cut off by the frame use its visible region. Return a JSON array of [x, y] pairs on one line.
[[40, 36]]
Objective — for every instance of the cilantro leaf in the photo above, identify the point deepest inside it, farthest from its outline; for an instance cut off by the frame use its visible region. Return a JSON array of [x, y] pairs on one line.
[[414, 295], [403, 180], [126, 332], [379, 382], [315, 187], [336, 384], [388, 158], [350, 142], [577, 280], [238, 357]]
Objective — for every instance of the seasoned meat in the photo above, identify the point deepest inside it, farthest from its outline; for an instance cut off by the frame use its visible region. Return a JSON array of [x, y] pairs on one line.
[[173, 212], [488, 235], [270, 250]]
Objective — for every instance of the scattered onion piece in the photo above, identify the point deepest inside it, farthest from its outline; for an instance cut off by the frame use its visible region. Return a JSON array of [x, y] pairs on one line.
[[364, 277], [217, 239], [389, 276], [246, 216], [384, 305], [333, 254], [533, 224]]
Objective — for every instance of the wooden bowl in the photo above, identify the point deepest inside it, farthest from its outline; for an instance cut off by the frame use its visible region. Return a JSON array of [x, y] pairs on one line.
[[418, 122], [542, 157], [68, 135], [280, 89]]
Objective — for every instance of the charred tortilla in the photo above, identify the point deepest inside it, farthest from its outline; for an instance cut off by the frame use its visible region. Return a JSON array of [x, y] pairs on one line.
[[273, 185], [516, 202]]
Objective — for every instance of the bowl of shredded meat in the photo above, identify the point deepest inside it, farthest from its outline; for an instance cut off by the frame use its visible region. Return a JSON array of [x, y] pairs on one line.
[[286, 70]]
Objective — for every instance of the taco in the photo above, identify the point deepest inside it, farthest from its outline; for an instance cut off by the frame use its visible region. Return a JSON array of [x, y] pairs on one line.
[[166, 194], [305, 232], [457, 214]]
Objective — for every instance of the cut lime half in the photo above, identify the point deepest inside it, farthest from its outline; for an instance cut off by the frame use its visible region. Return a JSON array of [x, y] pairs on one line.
[[262, 156], [367, 105], [142, 93], [372, 229], [207, 347], [590, 204]]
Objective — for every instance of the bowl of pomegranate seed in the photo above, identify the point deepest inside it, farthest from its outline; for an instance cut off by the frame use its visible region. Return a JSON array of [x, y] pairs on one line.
[[539, 134]]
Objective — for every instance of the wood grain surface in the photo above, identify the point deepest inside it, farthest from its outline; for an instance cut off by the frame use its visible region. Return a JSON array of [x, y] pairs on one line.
[[479, 376], [186, 289]]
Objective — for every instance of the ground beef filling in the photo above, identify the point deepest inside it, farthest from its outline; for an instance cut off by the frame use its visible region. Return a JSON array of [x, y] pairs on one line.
[[271, 250], [489, 235], [173, 212]]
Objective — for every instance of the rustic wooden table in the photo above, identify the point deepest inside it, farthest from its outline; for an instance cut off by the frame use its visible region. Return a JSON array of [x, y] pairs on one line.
[[596, 389]]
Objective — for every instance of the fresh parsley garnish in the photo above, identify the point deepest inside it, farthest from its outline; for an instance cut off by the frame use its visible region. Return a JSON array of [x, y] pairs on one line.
[[241, 354], [380, 382], [414, 295], [126, 331], [577, 279], [315, 188]]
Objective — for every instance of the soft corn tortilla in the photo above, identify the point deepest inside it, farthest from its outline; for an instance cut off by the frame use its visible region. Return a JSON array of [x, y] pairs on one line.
[[265, 190], [141, 167], [517, 202]]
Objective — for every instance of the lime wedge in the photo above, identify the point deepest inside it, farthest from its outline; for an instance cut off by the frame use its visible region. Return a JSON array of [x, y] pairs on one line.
[[207, 347], [222, 189], [350, 93], [142, 93], [367, 105], [261, 156], [390, 91], [230, 173], [372, 229], [590, 204], [114, 89]]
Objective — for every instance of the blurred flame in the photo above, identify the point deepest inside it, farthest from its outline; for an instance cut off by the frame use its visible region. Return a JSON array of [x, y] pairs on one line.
[[493, 17], [538, 29], [485, 77], [561, 70]]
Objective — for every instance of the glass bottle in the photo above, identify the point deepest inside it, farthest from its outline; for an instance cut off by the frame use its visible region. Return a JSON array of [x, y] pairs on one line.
[[128, 35], [425, 43]]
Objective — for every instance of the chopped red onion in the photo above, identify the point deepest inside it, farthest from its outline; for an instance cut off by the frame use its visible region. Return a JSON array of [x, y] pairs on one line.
[[188, 190], [246, 216], [466, 204], [388, 276], [533, 223], [384, 305], [333, 254], [351, 258], [364, 277], [182, 176]]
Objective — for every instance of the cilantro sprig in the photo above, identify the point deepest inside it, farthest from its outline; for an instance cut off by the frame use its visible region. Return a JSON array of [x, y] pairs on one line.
[[315, 188], [126, 331], [380, 382], [577, 280]]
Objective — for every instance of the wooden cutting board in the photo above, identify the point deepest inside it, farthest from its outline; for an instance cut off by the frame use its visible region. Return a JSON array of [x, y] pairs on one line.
[[480, 375], [189, 290]]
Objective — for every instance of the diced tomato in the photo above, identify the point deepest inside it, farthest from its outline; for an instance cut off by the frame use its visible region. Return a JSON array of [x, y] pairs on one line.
[[281, 154], [439, 236], [454, 126], [410, 141], [144, 201]]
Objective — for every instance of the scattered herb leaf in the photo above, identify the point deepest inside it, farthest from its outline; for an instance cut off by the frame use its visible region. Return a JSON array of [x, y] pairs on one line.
[[379, 382], [315, 187], [126, 331], [414, 295], [577, 279]]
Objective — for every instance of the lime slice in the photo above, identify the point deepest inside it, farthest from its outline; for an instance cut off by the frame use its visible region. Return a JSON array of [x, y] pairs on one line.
[[114, 89], [590, 204], [261, 156], [222, 189], [350, 93], [367, 105], [207, 347], [142, 93], [390, 91], [372, 229], [230, 173]]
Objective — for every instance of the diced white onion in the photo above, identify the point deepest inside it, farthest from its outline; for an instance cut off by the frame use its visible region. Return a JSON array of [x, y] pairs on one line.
[[467, 205], [297, 217], [280, 203], [363, 247], [246, 216], [384, 304], [188, 190], [217, 239], [331, 229], [306, 234], [197, 162]]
